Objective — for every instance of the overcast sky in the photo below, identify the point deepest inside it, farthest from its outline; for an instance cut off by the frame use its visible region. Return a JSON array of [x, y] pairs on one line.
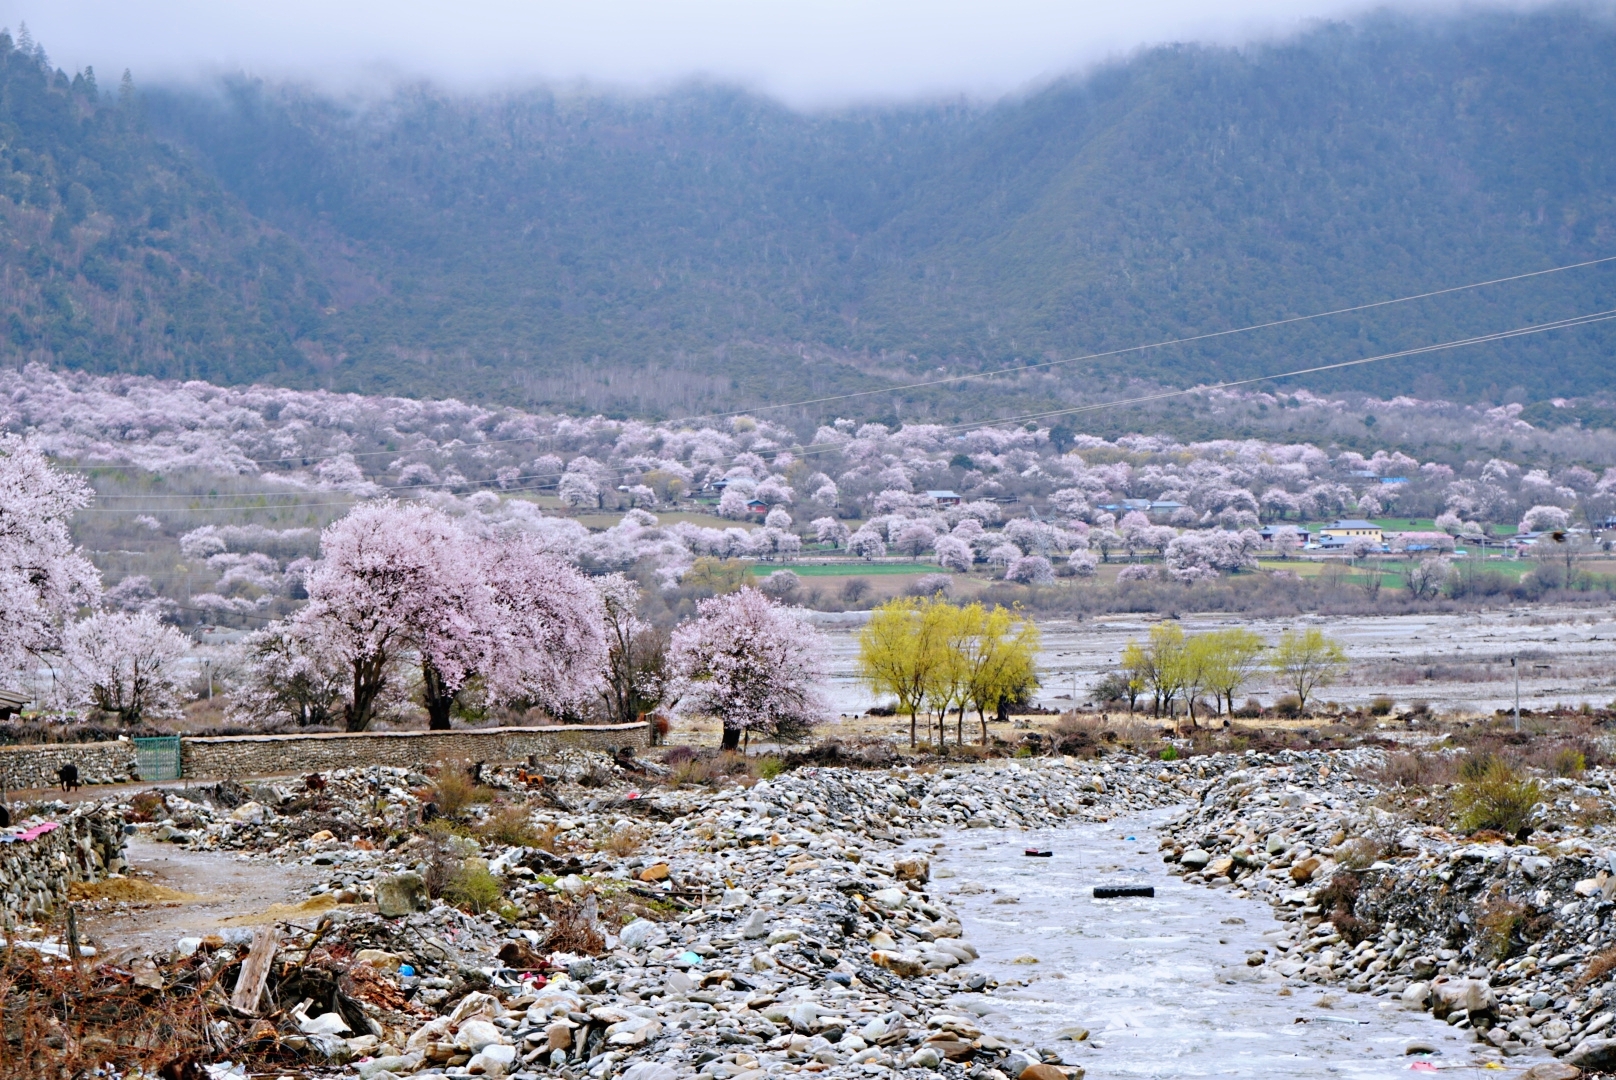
[[809, 52]]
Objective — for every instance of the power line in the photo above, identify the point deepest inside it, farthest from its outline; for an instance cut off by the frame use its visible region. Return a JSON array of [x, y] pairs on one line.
[[950, 379]]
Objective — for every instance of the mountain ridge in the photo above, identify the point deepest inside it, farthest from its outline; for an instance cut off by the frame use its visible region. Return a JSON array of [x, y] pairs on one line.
[[707, 248]]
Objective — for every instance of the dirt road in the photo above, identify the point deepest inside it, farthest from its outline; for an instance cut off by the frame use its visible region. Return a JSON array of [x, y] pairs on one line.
[[224, 885]]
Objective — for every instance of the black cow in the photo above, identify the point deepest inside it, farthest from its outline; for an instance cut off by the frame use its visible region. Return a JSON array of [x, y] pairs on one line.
[[69, 776], [5, 817]]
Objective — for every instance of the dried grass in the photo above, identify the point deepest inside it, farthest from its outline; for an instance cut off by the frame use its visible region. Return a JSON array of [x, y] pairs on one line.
[[623, 841], [1600, 966], [512, 824], [453, 789]]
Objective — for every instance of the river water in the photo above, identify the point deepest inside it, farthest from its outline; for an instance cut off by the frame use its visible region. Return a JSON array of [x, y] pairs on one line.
[[1455, 661], [1161, 984]]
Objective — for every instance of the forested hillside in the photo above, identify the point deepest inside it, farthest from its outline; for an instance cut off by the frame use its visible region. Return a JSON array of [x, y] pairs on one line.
[[707, 247]]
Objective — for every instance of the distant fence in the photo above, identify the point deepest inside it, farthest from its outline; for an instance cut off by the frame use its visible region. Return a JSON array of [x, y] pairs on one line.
[[35, 765], [266, 755]]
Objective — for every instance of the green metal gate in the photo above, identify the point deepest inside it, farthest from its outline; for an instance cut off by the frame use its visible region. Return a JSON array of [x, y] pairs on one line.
[[159, 759]]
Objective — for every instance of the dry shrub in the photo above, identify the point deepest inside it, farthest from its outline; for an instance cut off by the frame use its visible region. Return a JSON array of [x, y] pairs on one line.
[[710, 769], [1340, 897], [61, 1022], [623, 841], [453, 789], [1601, 965], [1076, 735], [1288, 707], [574, 928], [445, 851], [511, 824], [1381, 706], [1492, 794], [1568, 761], [1415, 770], [1497, 922], [148, 806]]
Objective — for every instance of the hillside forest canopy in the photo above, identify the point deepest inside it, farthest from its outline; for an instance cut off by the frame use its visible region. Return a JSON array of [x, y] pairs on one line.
[[708, 249]]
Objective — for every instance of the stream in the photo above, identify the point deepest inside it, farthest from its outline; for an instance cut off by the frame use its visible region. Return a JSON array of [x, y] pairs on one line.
[[1162, 985]]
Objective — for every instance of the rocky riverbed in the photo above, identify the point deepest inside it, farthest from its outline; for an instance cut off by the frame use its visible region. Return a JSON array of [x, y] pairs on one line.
[[814, 922]]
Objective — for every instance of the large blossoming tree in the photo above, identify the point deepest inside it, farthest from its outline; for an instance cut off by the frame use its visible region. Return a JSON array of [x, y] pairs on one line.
[[752, 664], [43, 576], [124, 665], [400, 584]]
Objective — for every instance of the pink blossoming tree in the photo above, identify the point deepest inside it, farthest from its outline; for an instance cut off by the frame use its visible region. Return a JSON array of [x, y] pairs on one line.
[[750, 662], [43, 576]]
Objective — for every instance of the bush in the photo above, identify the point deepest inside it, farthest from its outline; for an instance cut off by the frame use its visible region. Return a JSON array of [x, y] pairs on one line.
[[471, 887], [853, 589], [1415, 770], [622, 841], [1493, 795], [1497, 923], [1112, 688], [1381, 706], [1169, 753], [454, 790], [1568, 761], [1289, 707], [770, 767], [512, 826]]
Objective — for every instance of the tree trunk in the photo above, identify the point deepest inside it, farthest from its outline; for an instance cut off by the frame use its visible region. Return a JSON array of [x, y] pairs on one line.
[[732, 738], [913, 733], [438, 699], [959, 726], [982, 715]]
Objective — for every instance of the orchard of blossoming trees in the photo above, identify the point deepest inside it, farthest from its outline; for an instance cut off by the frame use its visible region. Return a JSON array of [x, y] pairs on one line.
[[474, 558], [242, 480]]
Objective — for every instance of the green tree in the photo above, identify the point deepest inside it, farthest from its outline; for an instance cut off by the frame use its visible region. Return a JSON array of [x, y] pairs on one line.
[[1002, 664], [1305, 660], [1229, 658], [901, 651]]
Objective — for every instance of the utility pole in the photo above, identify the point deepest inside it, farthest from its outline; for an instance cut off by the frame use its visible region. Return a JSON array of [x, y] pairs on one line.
[[1515, 666]]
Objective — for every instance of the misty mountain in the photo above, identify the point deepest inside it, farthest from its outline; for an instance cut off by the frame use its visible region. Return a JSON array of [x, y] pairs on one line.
[[708, 247]]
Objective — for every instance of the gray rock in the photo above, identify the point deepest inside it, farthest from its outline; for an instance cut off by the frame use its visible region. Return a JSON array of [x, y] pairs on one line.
[[398, 895], [636, 933], [1593, 1054], [756, 925], [1195, 859], [649, 1070]]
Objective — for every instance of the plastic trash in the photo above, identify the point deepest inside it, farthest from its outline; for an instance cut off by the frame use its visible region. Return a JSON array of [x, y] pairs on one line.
[[1036, 853], [1113, 892], [406, 970]]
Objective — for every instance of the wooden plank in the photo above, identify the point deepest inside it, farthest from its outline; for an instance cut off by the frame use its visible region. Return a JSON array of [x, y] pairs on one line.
[[255, 972]]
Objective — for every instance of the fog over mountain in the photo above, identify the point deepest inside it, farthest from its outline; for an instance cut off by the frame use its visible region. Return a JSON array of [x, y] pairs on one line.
[[705, 246]]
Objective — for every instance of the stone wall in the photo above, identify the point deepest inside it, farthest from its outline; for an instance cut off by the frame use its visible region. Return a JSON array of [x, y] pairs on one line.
[[85, 845], [31, 766], [270, 755]]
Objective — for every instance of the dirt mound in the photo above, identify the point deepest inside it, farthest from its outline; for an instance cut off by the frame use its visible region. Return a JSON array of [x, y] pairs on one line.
[[126, 891]]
